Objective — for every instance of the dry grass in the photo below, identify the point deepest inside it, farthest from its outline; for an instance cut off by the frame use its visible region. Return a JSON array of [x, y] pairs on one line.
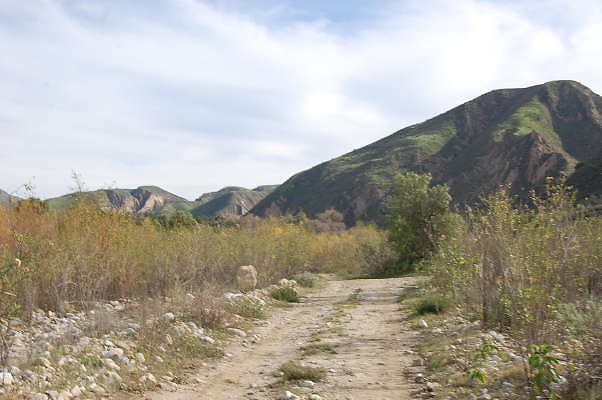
[[74, 257]]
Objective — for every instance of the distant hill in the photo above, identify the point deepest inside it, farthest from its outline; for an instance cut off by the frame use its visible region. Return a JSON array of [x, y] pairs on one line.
[[7, 199], [143, 199], [156, 201], [507, 136], [230, 200]]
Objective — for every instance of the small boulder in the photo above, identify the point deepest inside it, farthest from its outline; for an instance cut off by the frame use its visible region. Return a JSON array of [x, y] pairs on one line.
[[237, 332], [246, 278], [148, 379], [422, 324], [110, 364], [308, 384], [289, 396]]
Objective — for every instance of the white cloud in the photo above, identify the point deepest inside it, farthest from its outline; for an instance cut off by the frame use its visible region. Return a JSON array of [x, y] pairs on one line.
[[191, 97]]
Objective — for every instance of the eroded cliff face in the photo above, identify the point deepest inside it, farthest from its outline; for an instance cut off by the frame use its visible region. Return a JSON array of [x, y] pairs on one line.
[[515, 137]]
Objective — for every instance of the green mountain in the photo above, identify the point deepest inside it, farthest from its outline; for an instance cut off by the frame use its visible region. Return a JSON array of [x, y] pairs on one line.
[[156, 201], [7, 199], [509, 136]]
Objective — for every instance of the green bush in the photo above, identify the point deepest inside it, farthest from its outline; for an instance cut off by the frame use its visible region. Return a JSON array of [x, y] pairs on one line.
[[432, 304], [286, 293], [293, 371], [306, 279], [419, 219]]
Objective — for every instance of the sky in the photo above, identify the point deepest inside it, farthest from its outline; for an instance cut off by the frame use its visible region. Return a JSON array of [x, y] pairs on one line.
[[195, 95]]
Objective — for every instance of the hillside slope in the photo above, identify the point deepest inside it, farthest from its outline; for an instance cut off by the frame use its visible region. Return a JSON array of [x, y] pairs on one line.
[[508, 136], [7, 199]]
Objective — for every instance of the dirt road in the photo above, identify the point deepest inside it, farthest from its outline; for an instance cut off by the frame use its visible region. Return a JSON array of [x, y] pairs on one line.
[[353, 329]]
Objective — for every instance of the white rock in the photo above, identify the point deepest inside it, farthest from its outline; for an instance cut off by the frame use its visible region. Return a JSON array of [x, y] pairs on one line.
[[110, 364], [42, 361], [29, 376], [207, 339], [289, 395], [52, 394], [65, 396], [95, 388], [237, 332], [6, 379], [112, 378], [77, 391], [140, 358], [115, 354], [308, 384], [422, 324], [314, 397], [37, 396], [246, 278], [148, 378], [497, 336], [232, 296], [168, 316]]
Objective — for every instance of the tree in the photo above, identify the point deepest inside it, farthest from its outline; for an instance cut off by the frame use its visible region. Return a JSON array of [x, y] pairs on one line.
[[419, 218]]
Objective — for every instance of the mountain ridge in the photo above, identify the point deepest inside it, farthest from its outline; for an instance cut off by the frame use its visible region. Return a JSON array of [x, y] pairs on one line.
[[232, 200], [505, 136]]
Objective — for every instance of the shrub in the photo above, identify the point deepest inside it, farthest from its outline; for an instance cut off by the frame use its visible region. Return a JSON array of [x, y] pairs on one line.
[[293, 371], [419, 219], [432, 304], [286, 293], [306, 279], [523, 268]]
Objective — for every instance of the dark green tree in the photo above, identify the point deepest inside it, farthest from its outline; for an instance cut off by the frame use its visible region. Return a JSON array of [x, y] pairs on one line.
[[419, 218]]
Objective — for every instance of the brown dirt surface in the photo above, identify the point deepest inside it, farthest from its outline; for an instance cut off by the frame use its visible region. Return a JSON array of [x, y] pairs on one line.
[[356, 331]]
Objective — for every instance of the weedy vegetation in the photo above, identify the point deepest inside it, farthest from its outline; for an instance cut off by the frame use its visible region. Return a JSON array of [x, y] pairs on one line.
[[76, 256]]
